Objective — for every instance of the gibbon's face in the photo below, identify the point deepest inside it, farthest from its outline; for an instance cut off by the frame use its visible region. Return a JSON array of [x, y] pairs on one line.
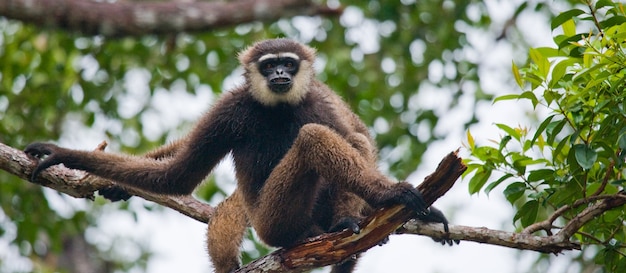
[[279, 70]]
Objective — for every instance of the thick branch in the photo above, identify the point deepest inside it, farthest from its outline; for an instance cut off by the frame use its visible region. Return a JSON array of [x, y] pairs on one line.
[[82, 185], [124, 18]]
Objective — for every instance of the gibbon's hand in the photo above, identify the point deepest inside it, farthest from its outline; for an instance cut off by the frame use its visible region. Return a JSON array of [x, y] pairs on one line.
[[115, 193], [47, 155], [434, 215], [350, 223]]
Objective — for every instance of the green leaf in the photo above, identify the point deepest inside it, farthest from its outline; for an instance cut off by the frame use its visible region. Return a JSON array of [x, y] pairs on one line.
[[541, 174], [517, 75], [478, 181], [512, 132], [585, 156], [560, 69], [514, 191], [548, 52], [505, 140], [506, 97], [622, 141], [554, 128], [531, 96], [569, 27], [527, 214], [564, 17], [543, 65], [470, 140], [604, 3], [497, 182], [542, 127], [615, 20]]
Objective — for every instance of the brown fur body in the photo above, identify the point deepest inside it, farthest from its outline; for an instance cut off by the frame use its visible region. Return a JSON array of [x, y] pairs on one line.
[[303, 165]]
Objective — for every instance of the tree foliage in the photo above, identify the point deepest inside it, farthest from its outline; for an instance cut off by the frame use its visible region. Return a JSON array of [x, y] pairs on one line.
[[576, 156]]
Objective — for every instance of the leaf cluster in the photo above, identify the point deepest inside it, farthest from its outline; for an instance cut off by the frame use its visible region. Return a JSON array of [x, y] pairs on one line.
[[577, 152]]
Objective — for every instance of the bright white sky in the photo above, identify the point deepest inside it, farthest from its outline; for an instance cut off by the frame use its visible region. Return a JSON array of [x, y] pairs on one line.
[[178, 241]]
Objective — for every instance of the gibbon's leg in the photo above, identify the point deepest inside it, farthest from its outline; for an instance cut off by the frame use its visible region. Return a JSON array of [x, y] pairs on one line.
[[225, 233], [364, 145], [282, 212], [346, 266], [348, 211]]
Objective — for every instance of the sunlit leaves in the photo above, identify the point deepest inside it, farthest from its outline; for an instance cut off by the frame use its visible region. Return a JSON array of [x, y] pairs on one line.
[[517, 75], [541, 61], [564, 17]]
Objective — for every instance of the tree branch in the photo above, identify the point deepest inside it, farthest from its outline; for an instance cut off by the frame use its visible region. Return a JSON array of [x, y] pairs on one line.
[[332, 248], [123, 18], [546, 244], [606, 203], [80, 184]]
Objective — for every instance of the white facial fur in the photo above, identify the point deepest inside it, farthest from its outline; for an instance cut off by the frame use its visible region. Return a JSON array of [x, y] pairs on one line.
[[279, 55], [298, 90]]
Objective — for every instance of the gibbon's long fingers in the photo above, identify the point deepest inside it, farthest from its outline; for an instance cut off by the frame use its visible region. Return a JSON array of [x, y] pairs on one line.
[[46, 155], [225, 233]]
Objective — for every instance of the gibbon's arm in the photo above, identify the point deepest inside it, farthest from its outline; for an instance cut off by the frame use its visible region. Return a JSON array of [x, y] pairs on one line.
[[176, 168], [166, 151]]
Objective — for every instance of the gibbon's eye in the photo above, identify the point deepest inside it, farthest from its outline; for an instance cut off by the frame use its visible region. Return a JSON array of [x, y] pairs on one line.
[[289, 64], [268, 66]]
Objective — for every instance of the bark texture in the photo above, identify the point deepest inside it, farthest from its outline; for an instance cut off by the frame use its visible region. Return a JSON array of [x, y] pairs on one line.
[[127, 18]]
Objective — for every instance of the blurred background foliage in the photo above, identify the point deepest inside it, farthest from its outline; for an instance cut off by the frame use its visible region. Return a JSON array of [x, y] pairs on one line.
[[381, 56]]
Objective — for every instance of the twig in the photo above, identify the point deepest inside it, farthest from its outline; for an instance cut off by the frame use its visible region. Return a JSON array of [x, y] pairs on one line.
[[548, 223]]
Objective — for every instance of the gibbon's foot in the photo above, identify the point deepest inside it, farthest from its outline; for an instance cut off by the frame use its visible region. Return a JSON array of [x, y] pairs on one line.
[[434, 215], [347, 222], [47, 155], [404, 193], [384, 241], [115, 193]]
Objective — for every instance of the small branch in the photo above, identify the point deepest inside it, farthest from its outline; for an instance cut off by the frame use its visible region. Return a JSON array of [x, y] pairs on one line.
[[546, 244], [595, 18], [124, 18], [591, 212], [548, 223]]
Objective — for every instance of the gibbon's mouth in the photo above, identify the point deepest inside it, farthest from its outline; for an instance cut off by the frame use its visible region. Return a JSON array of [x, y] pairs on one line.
[[280, 84]]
